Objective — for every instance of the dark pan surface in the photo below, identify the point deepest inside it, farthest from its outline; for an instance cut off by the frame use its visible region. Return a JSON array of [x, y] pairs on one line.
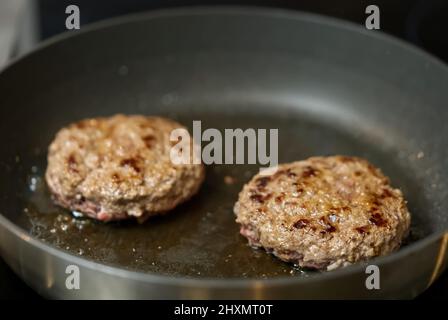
[[325, 97], [201, 237]]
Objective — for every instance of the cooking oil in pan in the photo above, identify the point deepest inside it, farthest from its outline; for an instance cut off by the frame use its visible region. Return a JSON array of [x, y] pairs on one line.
[[199, 238]]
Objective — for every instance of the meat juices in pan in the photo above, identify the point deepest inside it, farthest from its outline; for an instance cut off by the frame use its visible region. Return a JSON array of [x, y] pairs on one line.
[[323, 213], [119, 167]]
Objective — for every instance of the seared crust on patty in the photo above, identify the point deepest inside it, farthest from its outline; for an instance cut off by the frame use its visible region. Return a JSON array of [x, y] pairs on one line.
[[119, 167], [323, 212]]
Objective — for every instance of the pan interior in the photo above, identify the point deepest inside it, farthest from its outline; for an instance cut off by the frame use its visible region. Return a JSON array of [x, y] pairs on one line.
[[200, 238], [325, 97]]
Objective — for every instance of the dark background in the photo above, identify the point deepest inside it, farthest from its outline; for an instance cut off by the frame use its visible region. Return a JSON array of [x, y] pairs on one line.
[[421, 22]]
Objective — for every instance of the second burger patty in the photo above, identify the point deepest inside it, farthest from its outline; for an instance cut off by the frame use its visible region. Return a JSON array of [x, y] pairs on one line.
[[324, 212], [119, 167]]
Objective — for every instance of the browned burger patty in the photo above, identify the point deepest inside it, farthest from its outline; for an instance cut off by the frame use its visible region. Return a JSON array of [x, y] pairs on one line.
[[119, 167], [324, 212]]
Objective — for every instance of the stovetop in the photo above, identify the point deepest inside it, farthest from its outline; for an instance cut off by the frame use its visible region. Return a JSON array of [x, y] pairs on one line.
[[420, 22]]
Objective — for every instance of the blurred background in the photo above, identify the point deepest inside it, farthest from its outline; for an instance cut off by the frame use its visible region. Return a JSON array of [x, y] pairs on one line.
[[25, 23]]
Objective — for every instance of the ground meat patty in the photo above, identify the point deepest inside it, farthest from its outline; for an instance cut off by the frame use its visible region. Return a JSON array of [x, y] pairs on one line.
[[324, 212], [119, 167]]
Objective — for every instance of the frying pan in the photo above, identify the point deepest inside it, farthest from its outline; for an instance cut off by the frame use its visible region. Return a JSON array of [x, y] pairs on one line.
[[329, 87]]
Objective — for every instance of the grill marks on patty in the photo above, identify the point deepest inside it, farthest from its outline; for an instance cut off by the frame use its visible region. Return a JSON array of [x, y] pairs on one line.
[[326, 223], [72, 163], [149, 140], [259, 195], [133, 162]]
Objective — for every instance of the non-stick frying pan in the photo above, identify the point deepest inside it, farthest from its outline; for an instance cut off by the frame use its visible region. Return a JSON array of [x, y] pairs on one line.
[[328, 86]]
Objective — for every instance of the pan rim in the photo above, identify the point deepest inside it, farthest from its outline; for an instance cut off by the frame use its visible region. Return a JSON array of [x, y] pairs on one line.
[[156, 278], [220, 282]]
